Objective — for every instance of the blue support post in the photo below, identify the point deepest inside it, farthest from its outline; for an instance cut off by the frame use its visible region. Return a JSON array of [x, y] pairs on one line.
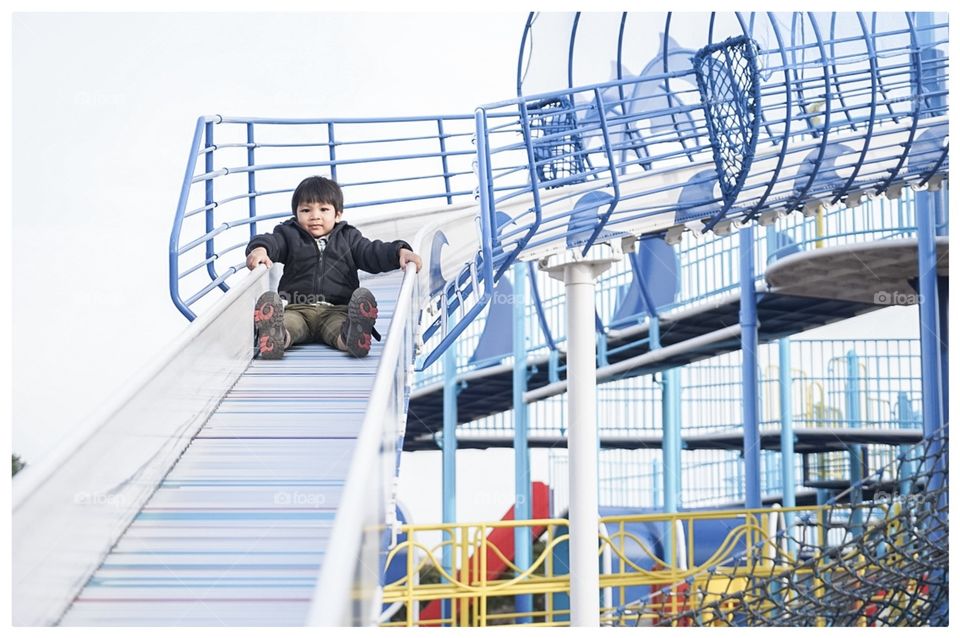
[[929, 329], [748, 344], [671, 451], [450, 391], [941, 200], [788, 471], [933, 327], [521, 539], [907, 468], [942, 208], [853, 417]]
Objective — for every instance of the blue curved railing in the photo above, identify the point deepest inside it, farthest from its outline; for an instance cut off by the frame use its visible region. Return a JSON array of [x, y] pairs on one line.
[[241, 171], [875, 101]]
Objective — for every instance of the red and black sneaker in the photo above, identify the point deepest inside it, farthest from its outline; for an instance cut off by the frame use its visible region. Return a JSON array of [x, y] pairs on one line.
[[357, 330], [268, 322]]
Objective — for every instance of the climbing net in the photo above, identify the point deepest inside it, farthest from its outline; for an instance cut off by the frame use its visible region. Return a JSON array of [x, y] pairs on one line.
[[729, 83], [557, 147], [877, 555]]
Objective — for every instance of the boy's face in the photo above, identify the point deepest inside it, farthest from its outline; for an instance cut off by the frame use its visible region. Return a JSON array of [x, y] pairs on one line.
[[317, 218]]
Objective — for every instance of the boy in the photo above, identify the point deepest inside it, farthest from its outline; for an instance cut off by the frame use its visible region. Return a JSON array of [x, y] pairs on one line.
[[321, 255]]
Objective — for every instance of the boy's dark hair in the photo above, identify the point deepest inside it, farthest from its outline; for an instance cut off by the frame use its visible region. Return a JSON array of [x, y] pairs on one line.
[[317, 190]]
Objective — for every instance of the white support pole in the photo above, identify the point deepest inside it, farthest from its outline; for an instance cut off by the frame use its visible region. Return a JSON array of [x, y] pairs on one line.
[[578, 273], [582, 426]]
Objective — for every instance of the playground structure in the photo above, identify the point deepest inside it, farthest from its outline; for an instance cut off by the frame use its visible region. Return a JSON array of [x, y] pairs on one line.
[[726, 197], [727, 567]]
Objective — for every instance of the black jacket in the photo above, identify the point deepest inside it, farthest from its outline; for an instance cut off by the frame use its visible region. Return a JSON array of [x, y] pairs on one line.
[[310, 276]]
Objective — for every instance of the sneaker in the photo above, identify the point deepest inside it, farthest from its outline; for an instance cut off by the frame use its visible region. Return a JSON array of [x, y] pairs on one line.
[[357, 330], [268, 322]]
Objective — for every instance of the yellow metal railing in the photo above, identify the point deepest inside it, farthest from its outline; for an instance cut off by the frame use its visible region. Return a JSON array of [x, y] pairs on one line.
[[677, 582]]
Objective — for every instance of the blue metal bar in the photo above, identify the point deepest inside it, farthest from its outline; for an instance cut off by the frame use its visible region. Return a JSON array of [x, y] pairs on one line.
[[874, 77], [535, 189], [522, 508], [854, 420], [339, 120], [211, 203], [321, 164], [523, 49], [929, 327], [251, 180], [443, 159], [652, 314], [666, 82], [215, 256], [943, 308], [216, 282], [907, 468], [748, 345], [917, 65], [449, 443], [833, 67], [943, 212], [174, 248], [553, 365], [602, 360], [573, 40], [332, 150], [487, 227], [601, 108], [788, 470], [797, 200], [672, 443], [538, 307]]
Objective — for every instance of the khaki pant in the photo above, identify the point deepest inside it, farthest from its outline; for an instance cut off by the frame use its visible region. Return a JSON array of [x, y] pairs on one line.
[[311, 323]]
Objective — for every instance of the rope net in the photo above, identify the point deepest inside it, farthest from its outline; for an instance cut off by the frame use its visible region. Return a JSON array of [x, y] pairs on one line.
[[881, 561], [557, 147], [729, 84]]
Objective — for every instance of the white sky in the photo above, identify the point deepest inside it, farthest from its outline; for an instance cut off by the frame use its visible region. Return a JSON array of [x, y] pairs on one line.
[[103, 109]]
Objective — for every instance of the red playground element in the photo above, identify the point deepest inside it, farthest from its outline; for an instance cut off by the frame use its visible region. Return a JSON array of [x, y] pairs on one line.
[[671, 600], [502, 539]]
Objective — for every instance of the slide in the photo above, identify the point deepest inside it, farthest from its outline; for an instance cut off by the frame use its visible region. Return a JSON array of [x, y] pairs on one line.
[[208, 494]]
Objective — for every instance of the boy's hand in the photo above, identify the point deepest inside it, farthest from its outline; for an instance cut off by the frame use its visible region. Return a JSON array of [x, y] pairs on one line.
[[258, 256], [407, 256]]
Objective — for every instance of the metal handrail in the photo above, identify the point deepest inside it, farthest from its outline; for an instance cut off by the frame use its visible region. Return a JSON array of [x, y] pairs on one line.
[[389, 153]]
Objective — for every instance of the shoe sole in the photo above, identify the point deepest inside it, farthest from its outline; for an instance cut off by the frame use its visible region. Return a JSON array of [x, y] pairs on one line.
[[268, 321], [362, 314]]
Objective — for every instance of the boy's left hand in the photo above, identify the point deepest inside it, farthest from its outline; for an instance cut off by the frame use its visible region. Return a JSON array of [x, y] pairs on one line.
[[406, 256]]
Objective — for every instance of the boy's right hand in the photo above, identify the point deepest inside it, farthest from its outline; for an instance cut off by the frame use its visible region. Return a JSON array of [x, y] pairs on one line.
[[258, 256]]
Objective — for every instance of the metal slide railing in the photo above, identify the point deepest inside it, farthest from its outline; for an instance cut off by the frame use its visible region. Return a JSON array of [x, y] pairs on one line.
[[241, 172]]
